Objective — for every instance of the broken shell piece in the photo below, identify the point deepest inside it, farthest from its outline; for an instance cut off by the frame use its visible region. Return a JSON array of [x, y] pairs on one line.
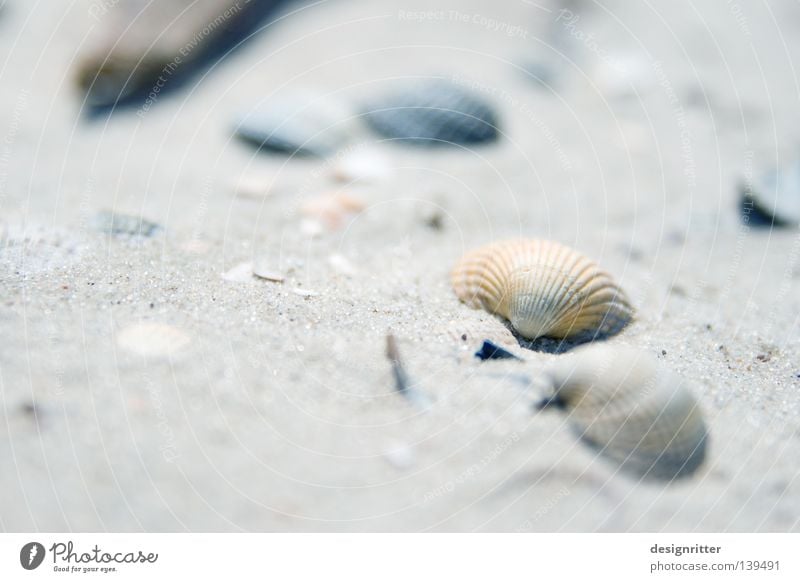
[[305, 292], [491, 351], [634, 411], [774, 199], [254, 187], [333, 209], [241, 273], [262, 271], [152, 339], [545, 289], [362, 165]]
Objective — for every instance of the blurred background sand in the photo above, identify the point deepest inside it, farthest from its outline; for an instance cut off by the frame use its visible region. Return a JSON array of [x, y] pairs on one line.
[[276, 411]]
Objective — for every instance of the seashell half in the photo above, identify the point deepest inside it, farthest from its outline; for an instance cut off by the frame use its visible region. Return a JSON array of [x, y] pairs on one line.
[[432, 112], [773, 199], [141, 45], [545, 289], [634, 411]]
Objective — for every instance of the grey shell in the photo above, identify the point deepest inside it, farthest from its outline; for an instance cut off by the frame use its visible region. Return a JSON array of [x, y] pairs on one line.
[[631, 409], [296, 123], [432, 113]]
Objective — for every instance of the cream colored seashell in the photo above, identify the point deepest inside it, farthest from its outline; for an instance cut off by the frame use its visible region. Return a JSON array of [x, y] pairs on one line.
[[543, 288], [635, 411]]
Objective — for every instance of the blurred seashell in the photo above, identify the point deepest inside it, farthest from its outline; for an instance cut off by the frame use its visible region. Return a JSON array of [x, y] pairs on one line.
[[341, 265], [262, 269], [152, 339], [241, 273], [432, 112], [195, 246], [332, 209], [773, 199], [636, 412], [299, 123], [545, 289], [400, 455], [253, 186], [143, 45], [362, 165], [623, 76]]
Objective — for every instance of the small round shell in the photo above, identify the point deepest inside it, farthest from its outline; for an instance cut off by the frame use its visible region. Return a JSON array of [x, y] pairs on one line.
[[633, 410], [543, 288]]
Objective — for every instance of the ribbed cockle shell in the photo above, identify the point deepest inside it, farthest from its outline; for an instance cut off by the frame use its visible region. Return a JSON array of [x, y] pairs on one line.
[[633, 410], [543, 288]]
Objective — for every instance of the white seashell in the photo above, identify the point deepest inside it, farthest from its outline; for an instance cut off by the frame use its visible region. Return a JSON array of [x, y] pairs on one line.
[[262, 270], [241, 273], [152, 339], [362, 165], [635, 411], [545, 289]]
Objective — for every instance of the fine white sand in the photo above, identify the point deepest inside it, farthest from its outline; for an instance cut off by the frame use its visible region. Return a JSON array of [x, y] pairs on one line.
[[260, 408]]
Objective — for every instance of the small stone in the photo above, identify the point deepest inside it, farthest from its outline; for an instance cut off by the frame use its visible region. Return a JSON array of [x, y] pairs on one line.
[[400, 456]]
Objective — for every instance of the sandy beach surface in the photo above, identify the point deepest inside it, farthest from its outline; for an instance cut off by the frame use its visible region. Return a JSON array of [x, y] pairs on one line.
[[142, 391]]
